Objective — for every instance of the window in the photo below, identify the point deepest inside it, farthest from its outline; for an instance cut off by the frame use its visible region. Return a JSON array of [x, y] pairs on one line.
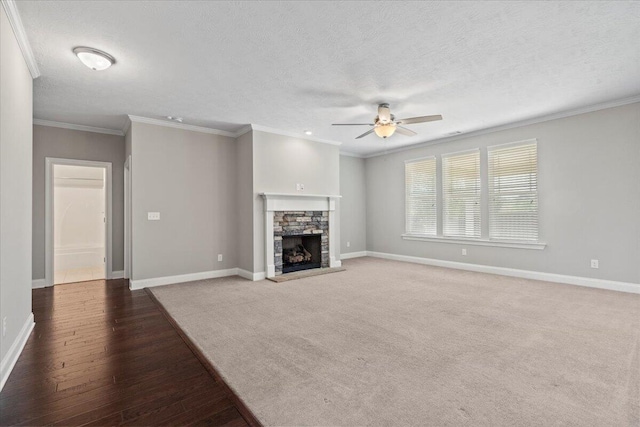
[[461, 195], [420, 187], [513, 192]]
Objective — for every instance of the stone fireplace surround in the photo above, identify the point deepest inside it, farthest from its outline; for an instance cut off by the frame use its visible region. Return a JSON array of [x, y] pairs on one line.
[[300, 223], [278, 205]]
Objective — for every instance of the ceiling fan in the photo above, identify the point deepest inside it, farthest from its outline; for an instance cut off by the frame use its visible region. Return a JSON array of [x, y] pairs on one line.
[[385, 123]]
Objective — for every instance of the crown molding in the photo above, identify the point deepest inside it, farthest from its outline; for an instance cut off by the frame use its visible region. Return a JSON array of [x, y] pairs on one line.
[[72, 126], [183, 126], [349, 154], [540, 119], [292, 134], [21, 36], [243, 130]]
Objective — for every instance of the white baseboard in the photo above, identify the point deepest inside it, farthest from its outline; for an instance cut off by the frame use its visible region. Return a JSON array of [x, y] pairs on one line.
[[117, 274], [633, 288], [251, 276], [181, 278], [10, 359], [38, 283], [350, 255]]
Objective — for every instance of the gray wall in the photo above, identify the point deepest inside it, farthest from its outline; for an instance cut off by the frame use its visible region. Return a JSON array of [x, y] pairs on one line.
[[244, 200], [279, 163], [353, 209], [589, 198], [190, 178], [16, 111], [79, 145]]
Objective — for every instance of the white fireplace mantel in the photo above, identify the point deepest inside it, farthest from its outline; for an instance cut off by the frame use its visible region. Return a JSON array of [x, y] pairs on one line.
[[298, 202]]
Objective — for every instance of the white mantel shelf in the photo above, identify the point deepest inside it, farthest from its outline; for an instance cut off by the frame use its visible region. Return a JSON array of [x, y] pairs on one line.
[[276, 195], [274, 202]]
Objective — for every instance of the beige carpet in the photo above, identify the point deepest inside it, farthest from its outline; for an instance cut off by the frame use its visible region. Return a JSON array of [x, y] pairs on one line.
[[392, 343]]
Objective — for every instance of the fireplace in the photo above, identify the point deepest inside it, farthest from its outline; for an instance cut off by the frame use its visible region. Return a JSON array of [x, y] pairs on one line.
[[301, 252], [299, 216], [301, 240]]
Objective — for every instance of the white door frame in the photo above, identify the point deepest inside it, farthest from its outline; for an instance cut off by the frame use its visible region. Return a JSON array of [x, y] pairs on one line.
[[127, 219], [48, 233]]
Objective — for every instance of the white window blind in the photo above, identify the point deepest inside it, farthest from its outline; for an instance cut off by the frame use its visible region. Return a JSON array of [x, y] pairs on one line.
[[461, 195], [513, 192], [420, 201]]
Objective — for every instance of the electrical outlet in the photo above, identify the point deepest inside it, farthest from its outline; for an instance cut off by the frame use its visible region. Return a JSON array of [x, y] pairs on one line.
[[464, 252], [299, 187], [348, 244], [595, 263], [219, 257], [4, 326], [153, 216]]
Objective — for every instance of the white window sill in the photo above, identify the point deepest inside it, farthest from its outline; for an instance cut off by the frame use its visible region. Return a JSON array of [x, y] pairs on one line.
[[478, 242]]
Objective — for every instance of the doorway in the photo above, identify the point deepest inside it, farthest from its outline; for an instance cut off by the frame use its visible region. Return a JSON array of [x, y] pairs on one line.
[[78, 221]]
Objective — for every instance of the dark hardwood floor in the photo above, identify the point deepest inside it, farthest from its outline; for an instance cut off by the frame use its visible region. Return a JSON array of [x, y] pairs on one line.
[[101, 354]]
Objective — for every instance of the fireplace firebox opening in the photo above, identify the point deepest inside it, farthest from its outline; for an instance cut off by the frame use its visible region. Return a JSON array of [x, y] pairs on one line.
[[301, 252]]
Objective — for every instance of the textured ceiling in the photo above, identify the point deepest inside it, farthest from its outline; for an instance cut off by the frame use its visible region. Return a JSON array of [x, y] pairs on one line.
[[304, 65]]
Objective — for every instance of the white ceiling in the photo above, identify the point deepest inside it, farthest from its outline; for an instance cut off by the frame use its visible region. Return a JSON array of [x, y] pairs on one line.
[[304, 65]]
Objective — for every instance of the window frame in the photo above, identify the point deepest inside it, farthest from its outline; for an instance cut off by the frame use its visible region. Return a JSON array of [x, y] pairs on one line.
[[435, 195], [484, 240]]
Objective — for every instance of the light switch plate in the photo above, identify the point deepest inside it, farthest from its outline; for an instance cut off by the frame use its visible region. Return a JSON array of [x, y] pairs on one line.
[[153, 216]]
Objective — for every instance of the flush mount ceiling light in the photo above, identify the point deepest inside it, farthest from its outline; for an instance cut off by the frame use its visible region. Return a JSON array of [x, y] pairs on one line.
[[95, 59], [175, 119], [308, 132]]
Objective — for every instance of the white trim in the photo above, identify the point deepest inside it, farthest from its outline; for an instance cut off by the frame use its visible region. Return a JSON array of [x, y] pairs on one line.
[[589, 282], [177, 125], [10, 359], [242, 131], [298, 202], [348, 154], [350, 255], [292, 134], [181, 278], [477, 242], [48, 235], [317, 196], [38, 283], [127, 218], [119, 274], [419, 159], [251, 276], [21, 37], [458, 153], [72, 126], [526, 122]]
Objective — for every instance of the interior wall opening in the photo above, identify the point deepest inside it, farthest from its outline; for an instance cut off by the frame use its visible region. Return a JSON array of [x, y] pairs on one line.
[[79, 223]]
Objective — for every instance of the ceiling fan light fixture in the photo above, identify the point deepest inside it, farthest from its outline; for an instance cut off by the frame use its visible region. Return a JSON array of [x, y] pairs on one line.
[[95, 59], [385, 130]]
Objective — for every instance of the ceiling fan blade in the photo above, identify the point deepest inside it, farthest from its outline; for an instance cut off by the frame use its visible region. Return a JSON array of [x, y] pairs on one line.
[[364, 134], [420, 119], [352, 124], [405, 131]]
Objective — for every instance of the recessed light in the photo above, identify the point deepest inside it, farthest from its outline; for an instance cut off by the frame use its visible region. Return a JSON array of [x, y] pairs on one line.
[[175, 119], [308, 132], [95, 59]]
